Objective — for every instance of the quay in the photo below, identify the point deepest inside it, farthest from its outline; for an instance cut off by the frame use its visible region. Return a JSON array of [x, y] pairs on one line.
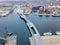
[[4, 11], [51, 40], [12, 40]]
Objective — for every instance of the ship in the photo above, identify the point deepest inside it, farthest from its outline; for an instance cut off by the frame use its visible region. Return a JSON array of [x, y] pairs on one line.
[[56, 14]]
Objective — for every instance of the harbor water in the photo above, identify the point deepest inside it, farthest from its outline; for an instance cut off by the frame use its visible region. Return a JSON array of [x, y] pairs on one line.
[[13, 23]]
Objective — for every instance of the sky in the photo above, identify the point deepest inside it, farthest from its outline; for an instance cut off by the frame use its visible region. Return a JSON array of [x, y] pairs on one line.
[[17, 0], [12, 0]]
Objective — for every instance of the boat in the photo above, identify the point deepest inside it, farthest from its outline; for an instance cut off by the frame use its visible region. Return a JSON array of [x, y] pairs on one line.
[[58, 32], [47, 34], [56, 14]]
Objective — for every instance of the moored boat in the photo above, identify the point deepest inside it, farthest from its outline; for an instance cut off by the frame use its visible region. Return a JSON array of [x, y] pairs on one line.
[[47, 34], [56, 14], [58, 32]]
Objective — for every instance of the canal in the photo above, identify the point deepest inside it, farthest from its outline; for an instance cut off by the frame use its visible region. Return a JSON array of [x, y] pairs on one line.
[[15, 24]]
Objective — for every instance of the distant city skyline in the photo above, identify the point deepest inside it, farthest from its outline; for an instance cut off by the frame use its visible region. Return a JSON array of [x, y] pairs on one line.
[[37, 2], [32, 0], [19, 0]]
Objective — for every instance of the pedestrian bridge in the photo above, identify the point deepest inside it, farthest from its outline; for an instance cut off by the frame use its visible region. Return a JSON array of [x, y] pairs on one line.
[[35, 38]]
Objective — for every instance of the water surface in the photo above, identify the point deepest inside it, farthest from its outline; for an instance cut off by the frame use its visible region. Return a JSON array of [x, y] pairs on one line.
[[15, 24]]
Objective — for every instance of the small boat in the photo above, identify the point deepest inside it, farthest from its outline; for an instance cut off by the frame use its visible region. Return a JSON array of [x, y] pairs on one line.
[[58, 32], [47, 34]]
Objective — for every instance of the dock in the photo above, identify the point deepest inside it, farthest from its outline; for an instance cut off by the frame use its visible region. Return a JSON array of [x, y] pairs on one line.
[[37, 14], [57, 15]]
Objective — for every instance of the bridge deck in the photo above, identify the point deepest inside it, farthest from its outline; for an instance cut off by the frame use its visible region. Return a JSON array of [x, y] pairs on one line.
[[36, 40]]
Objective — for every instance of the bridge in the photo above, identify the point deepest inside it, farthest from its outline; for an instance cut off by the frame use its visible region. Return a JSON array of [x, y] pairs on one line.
[[35, 38]]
